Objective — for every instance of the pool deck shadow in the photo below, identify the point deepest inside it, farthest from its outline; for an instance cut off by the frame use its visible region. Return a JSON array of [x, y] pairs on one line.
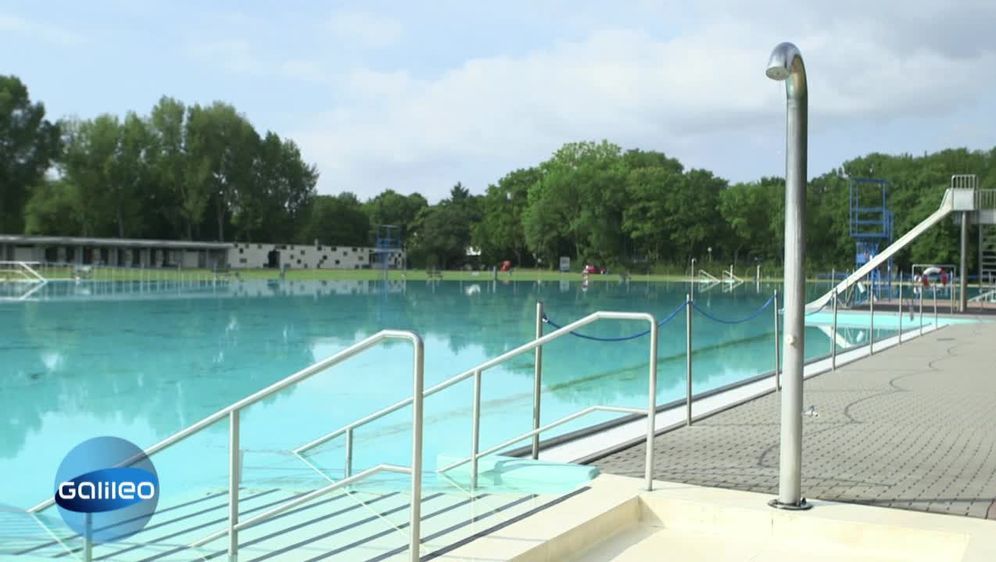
[[912, 427]]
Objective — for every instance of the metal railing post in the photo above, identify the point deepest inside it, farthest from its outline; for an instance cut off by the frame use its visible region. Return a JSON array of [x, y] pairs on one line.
[[688, 359], [871, 321], [900, 309], [833, 339], [778, 353], [348, 470], [921, 310], [233, 485], [475, 435], [88, 538], [651, 406], [935, 304], [415, 521], [537, 378]]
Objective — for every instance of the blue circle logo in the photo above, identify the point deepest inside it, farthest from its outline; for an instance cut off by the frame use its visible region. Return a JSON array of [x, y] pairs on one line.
[[106, 489]]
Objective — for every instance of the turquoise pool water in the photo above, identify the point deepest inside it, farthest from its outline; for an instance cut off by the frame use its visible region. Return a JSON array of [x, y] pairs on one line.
[[141, 362]]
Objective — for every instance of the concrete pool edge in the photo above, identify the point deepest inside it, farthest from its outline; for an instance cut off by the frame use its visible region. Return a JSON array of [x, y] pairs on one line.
[[616, 518]]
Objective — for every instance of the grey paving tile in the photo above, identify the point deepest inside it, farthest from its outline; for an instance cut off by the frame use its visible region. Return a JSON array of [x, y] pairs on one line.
[[912, 427]]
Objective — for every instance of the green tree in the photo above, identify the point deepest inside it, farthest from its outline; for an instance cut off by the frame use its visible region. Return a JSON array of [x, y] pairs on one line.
[[54, 209], [90, 149], [227, 144], [391, 208], [578, 203], [336, 221], [443, 231], [180, 174], [500, 234], [281, 190], [28, 143]]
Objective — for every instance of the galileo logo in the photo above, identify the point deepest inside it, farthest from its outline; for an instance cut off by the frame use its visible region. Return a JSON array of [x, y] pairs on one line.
[[107, 489]]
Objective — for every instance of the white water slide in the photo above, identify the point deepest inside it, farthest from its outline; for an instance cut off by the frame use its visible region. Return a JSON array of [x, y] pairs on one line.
[[947, 205]]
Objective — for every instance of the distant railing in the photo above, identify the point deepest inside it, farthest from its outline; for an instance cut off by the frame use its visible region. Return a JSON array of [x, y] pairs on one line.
[[985, 198], [20, 271]]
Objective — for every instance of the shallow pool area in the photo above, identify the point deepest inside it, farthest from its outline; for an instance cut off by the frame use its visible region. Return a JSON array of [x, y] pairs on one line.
[[142, 362]]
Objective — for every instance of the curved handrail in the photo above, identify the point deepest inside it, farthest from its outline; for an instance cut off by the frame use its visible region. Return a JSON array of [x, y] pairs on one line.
[[564, 330], [283, 383], [478, 369]]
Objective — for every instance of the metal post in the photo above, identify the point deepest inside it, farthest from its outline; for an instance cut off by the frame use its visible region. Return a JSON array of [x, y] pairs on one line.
[[786, 64], [871, 321], [475, 436], [692, 283], [537, 378], [415, 521], [951, 294], [348, 470], [833, 339], [934, 287], [651, 407], [900, 308], [963, 265], [233, 485], [921, 310], [688, 359], [88, 538], [778, 352]]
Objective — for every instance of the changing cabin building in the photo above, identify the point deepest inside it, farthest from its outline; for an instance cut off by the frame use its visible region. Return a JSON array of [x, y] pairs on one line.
[[130, 252]]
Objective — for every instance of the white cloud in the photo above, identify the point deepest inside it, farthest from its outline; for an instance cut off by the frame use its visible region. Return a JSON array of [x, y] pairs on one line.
[[235, 56], [364, 29], [697, 92], [302, 69], [50, 33], [238, 56]]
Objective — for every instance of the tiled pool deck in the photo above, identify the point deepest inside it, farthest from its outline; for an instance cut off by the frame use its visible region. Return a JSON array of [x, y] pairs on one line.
[[912, 427]]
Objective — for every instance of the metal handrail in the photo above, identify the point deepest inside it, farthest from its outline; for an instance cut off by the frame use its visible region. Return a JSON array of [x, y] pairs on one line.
[[25, 270], [233, 410], [532, 433], [706, 277], [478, 370], [985, 199]]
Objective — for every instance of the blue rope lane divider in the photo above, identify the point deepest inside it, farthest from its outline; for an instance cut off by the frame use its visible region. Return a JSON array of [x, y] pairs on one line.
[[668, 318], [747, 318]]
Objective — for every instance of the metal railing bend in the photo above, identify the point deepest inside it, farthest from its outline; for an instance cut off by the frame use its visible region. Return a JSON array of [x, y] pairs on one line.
[[232, 412]]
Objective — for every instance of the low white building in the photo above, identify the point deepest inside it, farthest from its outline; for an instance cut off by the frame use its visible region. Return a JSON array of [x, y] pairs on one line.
[[299, 256], [115, 252], [129, 252]]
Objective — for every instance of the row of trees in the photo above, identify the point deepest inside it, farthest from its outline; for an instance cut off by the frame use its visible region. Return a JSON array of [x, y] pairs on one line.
[[195, 173], [204, 173]]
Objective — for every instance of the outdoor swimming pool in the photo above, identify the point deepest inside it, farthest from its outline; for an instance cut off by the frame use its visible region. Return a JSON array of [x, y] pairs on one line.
[[143, 362]]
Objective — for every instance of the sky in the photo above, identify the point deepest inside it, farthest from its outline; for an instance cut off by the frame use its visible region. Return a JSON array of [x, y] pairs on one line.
[[417, 96]]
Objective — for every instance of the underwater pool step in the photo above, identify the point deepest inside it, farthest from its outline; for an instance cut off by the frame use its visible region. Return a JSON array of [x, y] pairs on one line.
[[356, 524], [41, 545], [443, 531]]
